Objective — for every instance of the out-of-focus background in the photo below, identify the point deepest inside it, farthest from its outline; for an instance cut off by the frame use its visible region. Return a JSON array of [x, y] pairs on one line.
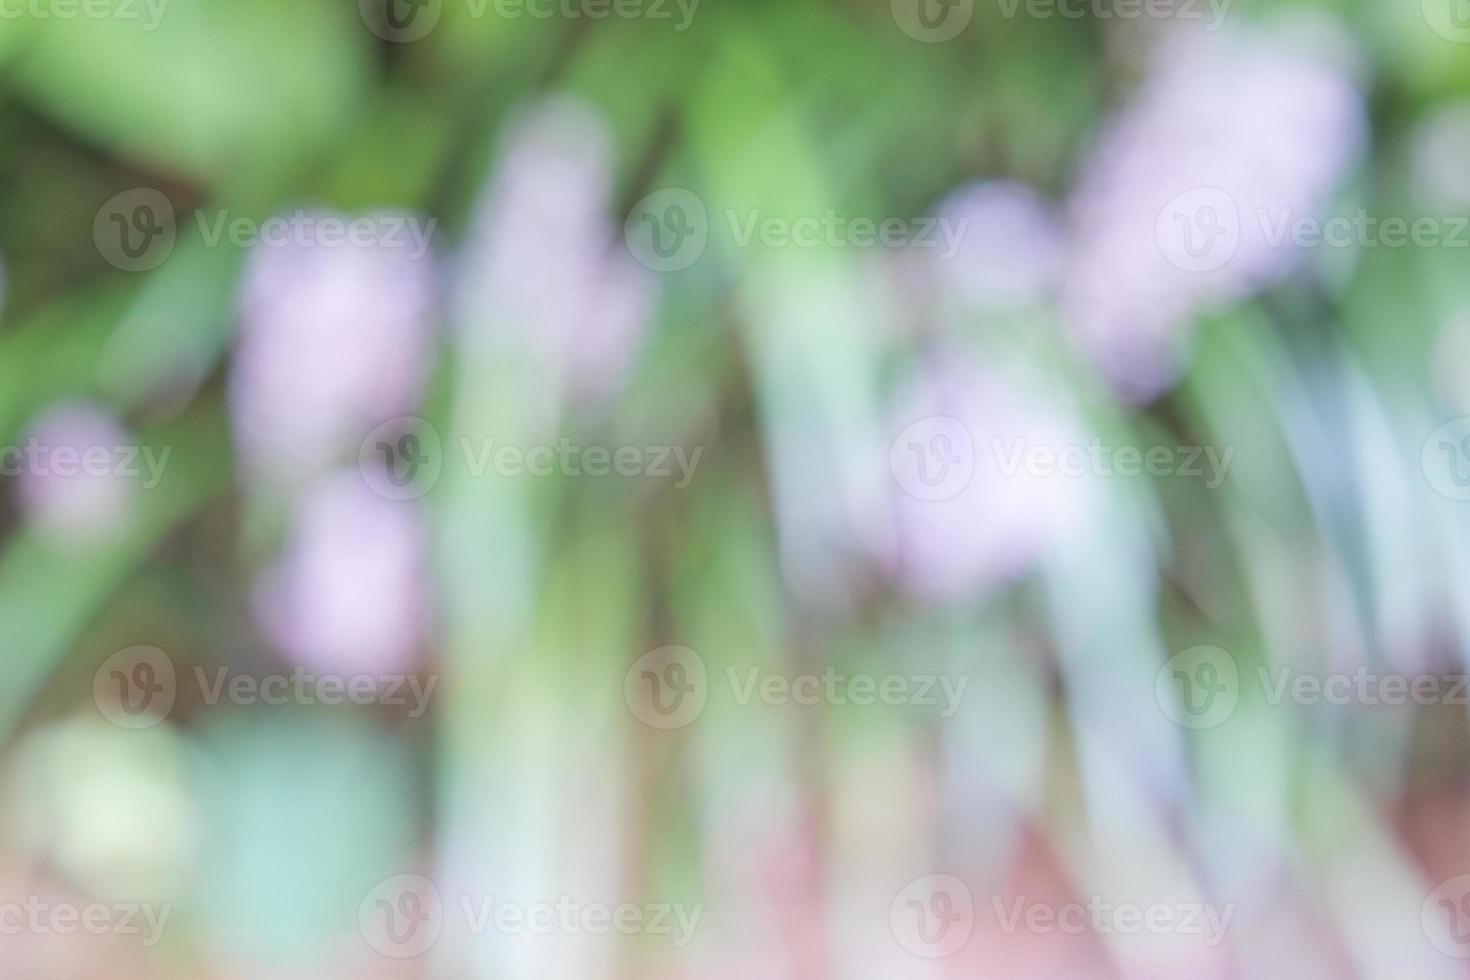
[[695, 488]]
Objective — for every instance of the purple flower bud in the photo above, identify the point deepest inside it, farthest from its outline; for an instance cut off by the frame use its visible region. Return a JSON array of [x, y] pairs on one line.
[[1009, 246], [545, 273], [976, 507], [333, 340], [1175, 208], [349, 593], [78, 474]]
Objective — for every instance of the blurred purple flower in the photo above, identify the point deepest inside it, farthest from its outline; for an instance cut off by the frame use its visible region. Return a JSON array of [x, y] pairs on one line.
[[72, 501], [1010, 246], [349, 593], [544, 272], [332, 341], [993, 526], [1173, 211]]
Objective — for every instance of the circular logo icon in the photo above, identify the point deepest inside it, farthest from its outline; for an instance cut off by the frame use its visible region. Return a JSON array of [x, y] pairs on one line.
[[135, 230], [1446, 459], [667, 230], [401, 459], [933, 916], [135, 688], [1199, 230], [934, 458], [401, 917], [1450, 19], [666, 688], [932, 21], [1446, 917], [1199, 687], [400, 21]]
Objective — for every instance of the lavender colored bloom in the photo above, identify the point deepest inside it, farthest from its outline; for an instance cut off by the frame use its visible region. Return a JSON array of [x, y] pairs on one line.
[[1003, 512], [349, 594], [544, 273], [1175, 208], [77, 479], [333, 340], [1010, 246]]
